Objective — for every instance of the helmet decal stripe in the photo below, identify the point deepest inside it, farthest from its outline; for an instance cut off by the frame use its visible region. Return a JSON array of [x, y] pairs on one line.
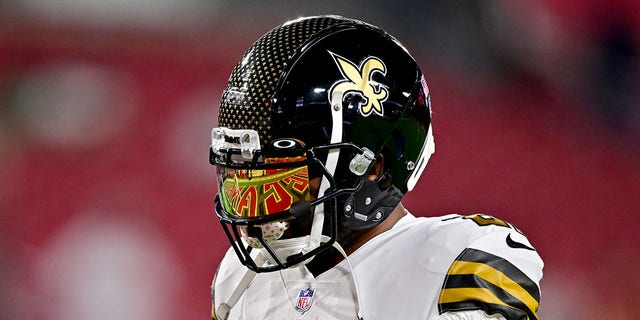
[[331, 164]]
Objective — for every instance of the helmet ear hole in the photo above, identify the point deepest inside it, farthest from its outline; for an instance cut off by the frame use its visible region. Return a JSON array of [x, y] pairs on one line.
[[370, 205]]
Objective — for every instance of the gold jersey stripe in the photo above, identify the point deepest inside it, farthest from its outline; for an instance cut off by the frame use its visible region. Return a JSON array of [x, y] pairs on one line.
[[480, 294], [494, 277]]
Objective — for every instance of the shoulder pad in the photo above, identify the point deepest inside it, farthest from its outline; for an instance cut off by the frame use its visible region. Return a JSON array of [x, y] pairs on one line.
[[498, 273]]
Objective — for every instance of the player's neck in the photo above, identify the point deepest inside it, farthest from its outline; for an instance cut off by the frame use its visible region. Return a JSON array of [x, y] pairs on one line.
[[353, 240]]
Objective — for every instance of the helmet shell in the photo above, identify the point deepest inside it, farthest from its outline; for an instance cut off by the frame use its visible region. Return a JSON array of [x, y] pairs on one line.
[[284, 85]]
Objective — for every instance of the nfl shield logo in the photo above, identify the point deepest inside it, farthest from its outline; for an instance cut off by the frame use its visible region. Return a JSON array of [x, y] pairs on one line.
[[305, 299]]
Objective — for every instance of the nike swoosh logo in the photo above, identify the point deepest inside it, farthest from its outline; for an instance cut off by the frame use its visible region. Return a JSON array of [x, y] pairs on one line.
[[517, 245]]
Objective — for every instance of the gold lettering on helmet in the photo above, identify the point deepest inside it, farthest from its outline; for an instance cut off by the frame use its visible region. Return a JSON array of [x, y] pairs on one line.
[[359, 80]]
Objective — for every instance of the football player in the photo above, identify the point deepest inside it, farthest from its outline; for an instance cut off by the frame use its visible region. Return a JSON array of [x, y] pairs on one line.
[[324, 126]]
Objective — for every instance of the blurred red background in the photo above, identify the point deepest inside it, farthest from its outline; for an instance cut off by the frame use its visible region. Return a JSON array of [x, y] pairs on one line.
[[105, 111]]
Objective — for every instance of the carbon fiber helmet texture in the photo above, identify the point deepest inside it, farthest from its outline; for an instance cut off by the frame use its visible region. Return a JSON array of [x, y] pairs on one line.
[[253, 81]]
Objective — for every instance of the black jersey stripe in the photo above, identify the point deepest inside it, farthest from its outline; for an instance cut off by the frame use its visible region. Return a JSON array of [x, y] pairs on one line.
[[486, 281], [495, 277], [460, 299], [517, 308], [502, 265]]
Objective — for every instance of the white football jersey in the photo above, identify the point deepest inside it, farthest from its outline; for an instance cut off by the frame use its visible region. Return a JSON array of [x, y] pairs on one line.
[[423, 268]]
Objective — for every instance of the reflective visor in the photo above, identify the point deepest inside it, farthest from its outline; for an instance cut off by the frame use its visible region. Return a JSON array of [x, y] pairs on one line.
[[257, 193]]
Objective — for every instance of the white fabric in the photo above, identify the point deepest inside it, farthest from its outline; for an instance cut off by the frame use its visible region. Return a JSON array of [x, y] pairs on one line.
[[400, 274], [470, 315]]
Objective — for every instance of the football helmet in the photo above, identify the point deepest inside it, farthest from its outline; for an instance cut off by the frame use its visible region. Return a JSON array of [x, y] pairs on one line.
[[308, 111]]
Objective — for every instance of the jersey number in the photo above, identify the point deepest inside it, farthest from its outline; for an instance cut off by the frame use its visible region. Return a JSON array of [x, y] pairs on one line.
[[486, 220]]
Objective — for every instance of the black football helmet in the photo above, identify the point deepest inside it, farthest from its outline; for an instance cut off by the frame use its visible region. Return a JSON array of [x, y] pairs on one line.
[[309, 109]]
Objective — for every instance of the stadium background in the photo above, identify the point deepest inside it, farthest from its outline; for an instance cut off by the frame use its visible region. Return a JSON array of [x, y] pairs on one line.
[[106, 106]]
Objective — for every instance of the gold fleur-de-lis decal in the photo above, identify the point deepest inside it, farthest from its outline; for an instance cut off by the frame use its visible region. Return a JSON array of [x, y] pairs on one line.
[[359, 80]]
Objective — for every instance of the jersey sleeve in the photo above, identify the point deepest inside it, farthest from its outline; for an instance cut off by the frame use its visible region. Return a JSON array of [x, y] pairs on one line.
[[499, 274]]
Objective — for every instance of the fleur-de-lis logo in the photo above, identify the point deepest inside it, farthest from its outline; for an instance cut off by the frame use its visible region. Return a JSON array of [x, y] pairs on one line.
[[359, 80]]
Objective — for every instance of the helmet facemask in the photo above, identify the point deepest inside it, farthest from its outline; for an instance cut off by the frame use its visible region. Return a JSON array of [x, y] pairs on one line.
[[278, 205]]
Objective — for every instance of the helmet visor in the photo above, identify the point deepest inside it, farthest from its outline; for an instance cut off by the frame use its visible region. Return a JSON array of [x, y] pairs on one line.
[[254, 193]]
